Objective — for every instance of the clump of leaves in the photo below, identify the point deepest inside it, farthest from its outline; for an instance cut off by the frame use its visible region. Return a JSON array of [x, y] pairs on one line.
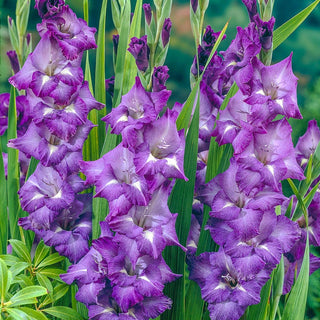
[[30, 288]]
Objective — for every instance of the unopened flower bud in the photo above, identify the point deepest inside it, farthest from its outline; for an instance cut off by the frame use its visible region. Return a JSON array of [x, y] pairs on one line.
[[147, 12], [115, 40], [165, 35], [140, 51], [12, 55], [159, 78], [194, 5], [251, 7]]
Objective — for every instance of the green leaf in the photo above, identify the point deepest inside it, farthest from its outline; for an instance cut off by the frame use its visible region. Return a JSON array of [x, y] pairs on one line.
[[180, 201], [259, 311], [52, 259], [121, 53], [41, 252], [21, 250], [32, 167], [45, 283], [13, 34], [52, 272], [18, 268], [296, 304], [3, 207], [13, 169], [63, 313], [130, 67], [277, 288], [285, 30], [100, 91], [309, 197], [115, 10], [17, 314], [22, 16], [296, 214], [23, 280], [232, 91], [33, 314], [9, 259], [5, 280], [27, 295], [86, 11], [58, 292], [195, 304]]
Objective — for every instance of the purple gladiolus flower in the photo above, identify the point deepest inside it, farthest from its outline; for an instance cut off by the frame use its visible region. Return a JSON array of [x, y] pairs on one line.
[[140, 51], [239, 121], [109, 83], [251, 6], [228, 285], [242, 49], [277, 235], [162, 149], [71, 33], [46, 8], [159, 77], [165, 33], [48, 73], [48, 148], [137, 108], [115, 175], [63, 120], [24, 115], [209, 38], [273, 86], [147, 12], [46, 187], [4, 104], [308, 143], [115, 41], [265, 29], [208, 41], [12, 55], [272, 155], [68, 230]]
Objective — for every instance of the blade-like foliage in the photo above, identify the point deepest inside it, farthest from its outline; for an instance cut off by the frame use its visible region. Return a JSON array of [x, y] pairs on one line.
[[63, 313], [180, 201], [259, 311], [100, 91], [296, 303], [3, 207], [284, 31], [13, 169], [27, 295]]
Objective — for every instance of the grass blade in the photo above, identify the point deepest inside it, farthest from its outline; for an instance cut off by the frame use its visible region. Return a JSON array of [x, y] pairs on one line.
[[180, 201], [13, 169], [3, 208], [285, 30], [121, 53], [296, 303], [130, 67], [100, 91]]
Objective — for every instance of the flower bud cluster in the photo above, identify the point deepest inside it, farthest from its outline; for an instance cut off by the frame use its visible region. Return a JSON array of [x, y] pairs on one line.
[[59, 103], [243, 199], [136, 178]]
